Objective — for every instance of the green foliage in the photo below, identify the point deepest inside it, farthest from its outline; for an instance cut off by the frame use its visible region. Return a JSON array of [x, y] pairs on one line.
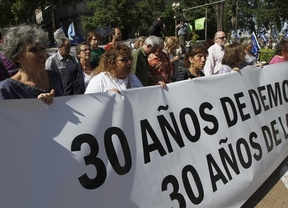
[[265, 55], [22, 11], [125, 14], [256, 12], [136, 16]]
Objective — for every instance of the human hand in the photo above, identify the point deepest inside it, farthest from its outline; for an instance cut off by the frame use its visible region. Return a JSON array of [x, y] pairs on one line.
[[235, 69], [114, 90], [47, 97], [259, 65], [163, 84]]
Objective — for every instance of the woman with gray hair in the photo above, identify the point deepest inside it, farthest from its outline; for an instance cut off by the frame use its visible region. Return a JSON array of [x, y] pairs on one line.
[[250, 58], [25, 45]]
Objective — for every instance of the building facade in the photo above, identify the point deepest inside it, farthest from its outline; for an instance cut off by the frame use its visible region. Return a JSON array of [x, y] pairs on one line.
[[53, 18]]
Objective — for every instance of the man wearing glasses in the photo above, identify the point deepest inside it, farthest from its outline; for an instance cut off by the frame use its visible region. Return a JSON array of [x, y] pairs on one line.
[[216, 53]]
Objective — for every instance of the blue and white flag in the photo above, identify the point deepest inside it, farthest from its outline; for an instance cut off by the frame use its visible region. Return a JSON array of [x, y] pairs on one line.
[[262, 35], [285, 37], [71, 31], [255, 45]]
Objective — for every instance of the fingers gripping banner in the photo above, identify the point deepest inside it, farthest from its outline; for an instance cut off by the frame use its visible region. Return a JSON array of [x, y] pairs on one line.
[[205, 142]]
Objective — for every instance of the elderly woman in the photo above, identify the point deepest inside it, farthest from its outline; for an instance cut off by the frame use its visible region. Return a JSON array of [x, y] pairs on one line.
[[193, 62], [114, 71], [25, 46], [79, 74], [249, 56]]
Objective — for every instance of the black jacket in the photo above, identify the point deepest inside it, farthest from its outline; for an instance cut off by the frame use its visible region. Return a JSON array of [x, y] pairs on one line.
[[75, 80], [184, 74]]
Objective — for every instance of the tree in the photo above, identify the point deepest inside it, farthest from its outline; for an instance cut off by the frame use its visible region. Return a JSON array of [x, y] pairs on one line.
[[23, 11], [125, 14], [117, 13], [254, 13]]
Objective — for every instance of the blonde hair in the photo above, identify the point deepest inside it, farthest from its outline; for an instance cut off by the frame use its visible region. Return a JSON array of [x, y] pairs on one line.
[[171, 43], [139, 42]]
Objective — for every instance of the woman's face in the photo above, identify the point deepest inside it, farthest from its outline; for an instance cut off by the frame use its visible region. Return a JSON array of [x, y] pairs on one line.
[[85, 52], [123, 65], [32, 58], [198, 61]]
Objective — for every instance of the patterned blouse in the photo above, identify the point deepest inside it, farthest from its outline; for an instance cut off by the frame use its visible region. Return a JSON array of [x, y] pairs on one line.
[[160, 68]]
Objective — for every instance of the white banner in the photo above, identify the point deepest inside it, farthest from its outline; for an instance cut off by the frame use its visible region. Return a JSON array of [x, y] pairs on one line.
[[211, 141]]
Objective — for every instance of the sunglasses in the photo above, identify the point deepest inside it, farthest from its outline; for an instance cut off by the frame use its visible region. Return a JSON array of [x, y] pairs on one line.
[[222, 38]]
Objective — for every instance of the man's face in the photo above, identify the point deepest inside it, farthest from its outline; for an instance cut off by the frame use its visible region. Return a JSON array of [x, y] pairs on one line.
[[64, 50], [220, 39], [118, 35], [95, 42], [151, 49]]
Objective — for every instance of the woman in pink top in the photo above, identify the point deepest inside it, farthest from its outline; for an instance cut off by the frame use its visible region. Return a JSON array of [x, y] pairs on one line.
[[281, 53]]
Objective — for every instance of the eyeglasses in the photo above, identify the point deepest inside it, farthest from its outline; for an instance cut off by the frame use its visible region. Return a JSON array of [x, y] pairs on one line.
[[85, 49], [222, 38], [126, 59]]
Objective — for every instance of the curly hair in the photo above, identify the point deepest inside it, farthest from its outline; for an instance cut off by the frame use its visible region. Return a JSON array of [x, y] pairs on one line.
[[108, 59], [233, 55], [18, 36], [193, 51], [171, 43]]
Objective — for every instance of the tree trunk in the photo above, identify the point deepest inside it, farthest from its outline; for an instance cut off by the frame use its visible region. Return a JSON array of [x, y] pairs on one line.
[[219, 8]]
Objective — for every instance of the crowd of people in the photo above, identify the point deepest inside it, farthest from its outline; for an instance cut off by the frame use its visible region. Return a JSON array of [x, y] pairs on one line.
[[27, 71]]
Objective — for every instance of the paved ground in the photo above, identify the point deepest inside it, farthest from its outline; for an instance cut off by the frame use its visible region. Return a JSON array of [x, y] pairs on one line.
[[273, 193]]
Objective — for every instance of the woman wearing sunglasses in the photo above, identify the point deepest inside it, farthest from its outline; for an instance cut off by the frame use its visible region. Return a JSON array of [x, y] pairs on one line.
[[114, 71]]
